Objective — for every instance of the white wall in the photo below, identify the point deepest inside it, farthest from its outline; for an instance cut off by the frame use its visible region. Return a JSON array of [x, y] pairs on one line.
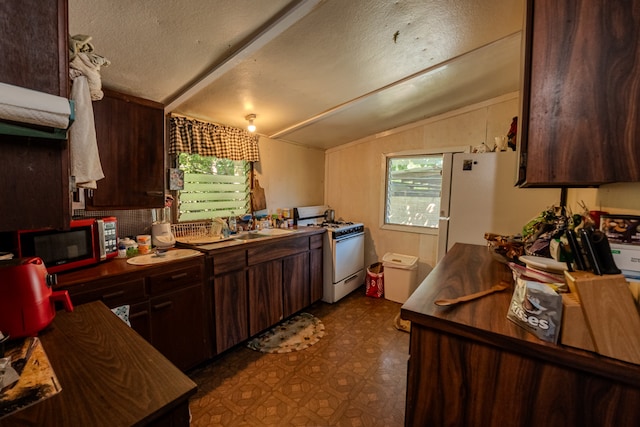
[[621, 198], [290, 174], [355, 172]]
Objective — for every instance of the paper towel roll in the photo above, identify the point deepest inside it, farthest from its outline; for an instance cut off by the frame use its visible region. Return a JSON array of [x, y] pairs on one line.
[[23, 105]]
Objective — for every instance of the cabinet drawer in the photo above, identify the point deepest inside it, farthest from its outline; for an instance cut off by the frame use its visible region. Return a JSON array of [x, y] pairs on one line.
[[229, 261], [174, 279], [113, 295], [277, 250], [315, 241]]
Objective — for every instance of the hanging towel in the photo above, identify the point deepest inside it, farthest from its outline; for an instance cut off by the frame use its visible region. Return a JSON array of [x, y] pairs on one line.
[[83, 145], [82, 65], [83, 61]]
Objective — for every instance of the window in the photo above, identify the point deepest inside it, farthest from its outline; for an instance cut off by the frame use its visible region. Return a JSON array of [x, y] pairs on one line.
[[413, 190], [213, 187]]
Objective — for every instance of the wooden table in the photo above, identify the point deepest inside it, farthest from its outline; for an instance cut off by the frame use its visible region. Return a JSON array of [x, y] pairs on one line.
[[471, 366], [109, 375]]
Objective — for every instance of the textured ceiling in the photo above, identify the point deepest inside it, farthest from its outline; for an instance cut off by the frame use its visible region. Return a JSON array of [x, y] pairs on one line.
[[317, 72]]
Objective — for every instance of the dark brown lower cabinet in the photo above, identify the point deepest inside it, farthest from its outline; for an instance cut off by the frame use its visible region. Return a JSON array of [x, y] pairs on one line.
[[258, 285], [166, 304], [315, 268], [140, 319], [230, 309], [296, 292], [265, 295], [177, 329]]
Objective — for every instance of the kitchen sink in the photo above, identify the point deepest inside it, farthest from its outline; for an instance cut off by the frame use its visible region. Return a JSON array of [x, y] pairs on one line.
[[275, 231], [249, 236], [267, 232]]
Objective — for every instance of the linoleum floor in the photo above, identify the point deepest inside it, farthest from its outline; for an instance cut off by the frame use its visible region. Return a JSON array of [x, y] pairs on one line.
[[354, 376]]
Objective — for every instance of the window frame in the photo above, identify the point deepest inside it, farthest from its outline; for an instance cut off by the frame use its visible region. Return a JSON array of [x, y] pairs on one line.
[[447, 154], [249, 180]]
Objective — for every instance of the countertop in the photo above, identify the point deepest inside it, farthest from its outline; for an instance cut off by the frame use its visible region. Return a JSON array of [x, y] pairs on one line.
[[109, 375], [119, 266], [471, 268], [110, 268], [296, 232]]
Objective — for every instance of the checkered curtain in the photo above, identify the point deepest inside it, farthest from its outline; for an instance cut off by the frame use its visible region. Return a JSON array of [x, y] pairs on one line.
[[207, 139]]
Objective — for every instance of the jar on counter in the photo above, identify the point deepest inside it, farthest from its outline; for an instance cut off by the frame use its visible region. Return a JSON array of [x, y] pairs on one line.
[[144, 243], [130, 247]]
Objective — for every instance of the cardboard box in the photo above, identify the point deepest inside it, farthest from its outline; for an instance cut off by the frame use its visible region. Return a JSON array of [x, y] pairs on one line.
[[626, 257], [621, 228]]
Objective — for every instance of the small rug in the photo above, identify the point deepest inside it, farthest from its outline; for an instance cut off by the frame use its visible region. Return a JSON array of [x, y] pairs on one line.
[[401, 324], [299, 332]]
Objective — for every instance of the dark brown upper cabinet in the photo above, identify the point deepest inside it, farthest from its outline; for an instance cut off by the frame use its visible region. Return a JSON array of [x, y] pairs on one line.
[[130, 134], [34, 178], [580, 115]]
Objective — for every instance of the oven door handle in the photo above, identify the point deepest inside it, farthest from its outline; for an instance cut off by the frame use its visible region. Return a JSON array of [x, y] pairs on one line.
[[354, 277], [347, 237]]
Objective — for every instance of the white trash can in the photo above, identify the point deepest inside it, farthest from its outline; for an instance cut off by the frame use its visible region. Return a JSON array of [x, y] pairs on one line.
[[400, 273]]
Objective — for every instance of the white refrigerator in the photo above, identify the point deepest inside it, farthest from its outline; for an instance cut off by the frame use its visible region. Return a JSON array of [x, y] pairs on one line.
[[482, 198]]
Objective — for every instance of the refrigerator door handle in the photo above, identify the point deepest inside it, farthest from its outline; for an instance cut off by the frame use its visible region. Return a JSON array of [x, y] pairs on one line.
[[445, 194], [443, 237]]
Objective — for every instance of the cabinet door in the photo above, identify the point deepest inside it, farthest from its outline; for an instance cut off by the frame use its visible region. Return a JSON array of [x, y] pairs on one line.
[[580, 107], [265, 296], [140, 319], [130, 133], [315, 273], [296, 291], [117, 292], [230, 309], [177, 326], [34, 55]]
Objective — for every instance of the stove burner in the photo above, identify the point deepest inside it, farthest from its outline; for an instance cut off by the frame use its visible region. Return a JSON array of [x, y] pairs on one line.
[[338, 230], [335, 224]]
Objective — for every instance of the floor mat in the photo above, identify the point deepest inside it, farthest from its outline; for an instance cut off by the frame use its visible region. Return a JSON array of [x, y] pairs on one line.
[[297, 333]]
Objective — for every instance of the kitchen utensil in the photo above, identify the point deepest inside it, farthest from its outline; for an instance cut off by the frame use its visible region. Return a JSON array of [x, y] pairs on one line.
[[590, 250], [596, 246], [445, 302], [162, 237], [576, 250], [258, 199], [26, 299], [601, 245], [330, 215]]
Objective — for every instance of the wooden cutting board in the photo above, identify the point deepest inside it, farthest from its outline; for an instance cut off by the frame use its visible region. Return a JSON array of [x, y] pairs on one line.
[[258, 199], [610, 313]]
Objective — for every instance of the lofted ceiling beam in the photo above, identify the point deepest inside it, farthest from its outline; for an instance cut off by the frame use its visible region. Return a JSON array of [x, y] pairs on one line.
[[350, 103], [295, 12]]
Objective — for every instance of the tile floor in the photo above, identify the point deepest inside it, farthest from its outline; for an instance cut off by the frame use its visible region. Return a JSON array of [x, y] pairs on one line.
[[354, 376]]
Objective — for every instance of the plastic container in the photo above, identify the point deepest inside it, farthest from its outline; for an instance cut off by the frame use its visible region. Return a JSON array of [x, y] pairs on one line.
[[400, 276], [144, 243]]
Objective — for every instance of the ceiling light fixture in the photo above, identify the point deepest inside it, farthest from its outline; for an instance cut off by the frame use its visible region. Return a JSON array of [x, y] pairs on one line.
[[251, 118]]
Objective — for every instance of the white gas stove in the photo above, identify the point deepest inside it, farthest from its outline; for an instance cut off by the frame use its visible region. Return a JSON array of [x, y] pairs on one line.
[[343, 256]]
